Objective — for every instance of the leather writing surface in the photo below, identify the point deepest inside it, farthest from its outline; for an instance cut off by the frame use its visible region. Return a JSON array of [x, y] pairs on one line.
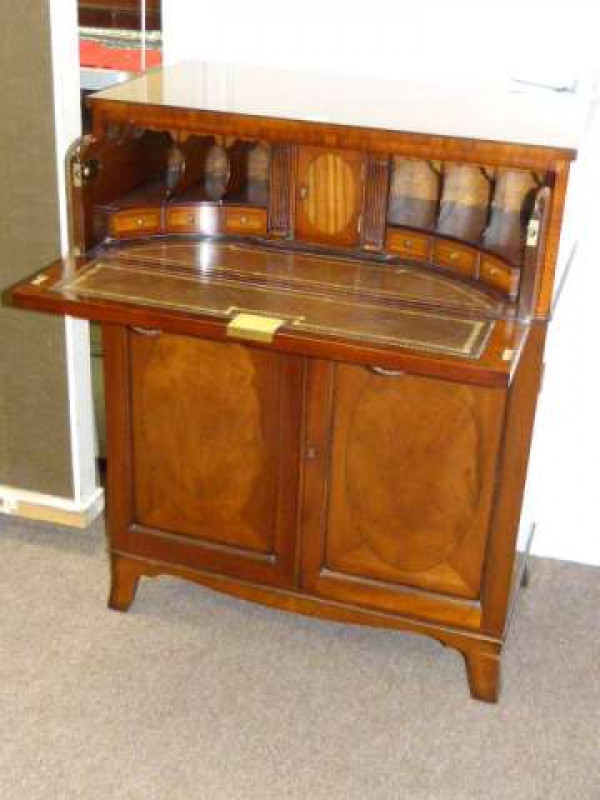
[[370, 310]]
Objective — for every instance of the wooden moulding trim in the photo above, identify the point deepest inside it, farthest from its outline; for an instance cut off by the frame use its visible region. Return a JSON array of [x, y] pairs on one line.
[[411, 600], [414, 145], [376, 186], [310, 605], [552, 240], [281, 194], [139, 529]]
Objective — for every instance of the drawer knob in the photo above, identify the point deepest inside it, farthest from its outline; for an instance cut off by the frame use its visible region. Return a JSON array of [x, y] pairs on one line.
[[407, 244], [190, 219], [243, 219], [453, 256], [492, 271], [140, 221]]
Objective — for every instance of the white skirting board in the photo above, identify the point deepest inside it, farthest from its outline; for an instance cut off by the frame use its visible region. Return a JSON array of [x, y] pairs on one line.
[[49, 508]]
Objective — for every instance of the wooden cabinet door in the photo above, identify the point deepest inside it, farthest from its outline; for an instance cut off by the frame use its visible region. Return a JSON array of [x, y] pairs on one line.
[[214, 453], [398, 489], [329, 195]]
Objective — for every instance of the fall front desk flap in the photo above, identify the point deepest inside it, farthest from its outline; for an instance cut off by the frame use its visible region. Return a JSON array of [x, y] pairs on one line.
[[271, 289]]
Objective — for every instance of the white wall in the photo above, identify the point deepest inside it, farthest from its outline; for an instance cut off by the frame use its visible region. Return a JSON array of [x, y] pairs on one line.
[[565, 472], [431, 40], [467, 42]]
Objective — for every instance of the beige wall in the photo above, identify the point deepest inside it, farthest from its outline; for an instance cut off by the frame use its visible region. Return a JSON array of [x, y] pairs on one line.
[[34, 415]]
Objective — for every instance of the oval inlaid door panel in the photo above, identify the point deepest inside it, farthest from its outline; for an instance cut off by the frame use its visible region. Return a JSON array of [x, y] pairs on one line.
[[329, 195], [413, 460], [412, 471], [212, 430], [218, 447]]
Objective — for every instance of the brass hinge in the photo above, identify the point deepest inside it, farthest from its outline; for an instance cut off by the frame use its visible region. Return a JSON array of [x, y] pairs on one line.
[[533, 232], [77, 175], [82, 172]]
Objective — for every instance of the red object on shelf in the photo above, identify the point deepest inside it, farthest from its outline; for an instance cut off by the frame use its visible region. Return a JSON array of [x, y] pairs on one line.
[[95, 54]]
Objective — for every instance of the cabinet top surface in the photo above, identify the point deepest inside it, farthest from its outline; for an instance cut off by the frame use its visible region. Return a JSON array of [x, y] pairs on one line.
[[547, 119]]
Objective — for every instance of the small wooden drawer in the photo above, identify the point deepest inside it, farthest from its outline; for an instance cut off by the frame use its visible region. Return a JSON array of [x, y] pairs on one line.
[[456, 257], [245, 220], [407, 244], [192, 219], [135, 222], [499, 275], [212, 219]]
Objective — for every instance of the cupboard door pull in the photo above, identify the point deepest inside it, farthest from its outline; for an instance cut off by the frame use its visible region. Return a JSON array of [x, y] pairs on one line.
[[388, 373], [146, 331]]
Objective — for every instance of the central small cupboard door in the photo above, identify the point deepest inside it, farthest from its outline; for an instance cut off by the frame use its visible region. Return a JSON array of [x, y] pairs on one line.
[[329, 195], [399, 491], [215, 452]]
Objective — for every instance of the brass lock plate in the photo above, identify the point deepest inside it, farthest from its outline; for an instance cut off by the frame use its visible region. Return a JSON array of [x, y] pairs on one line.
[[254, 327]]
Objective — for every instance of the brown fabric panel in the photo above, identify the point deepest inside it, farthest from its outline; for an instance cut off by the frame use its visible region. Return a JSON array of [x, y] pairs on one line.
[[514, 197], [414, 191], [258, 163], [217, 172], [259, 160], [464, 206], [34, 425]]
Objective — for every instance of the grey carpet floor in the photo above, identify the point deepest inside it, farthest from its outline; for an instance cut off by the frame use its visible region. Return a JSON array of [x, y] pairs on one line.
[[197, 695]]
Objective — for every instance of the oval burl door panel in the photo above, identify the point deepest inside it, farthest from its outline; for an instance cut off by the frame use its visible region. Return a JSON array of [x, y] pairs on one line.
[[212, 426], [199, 421], [412, 469]]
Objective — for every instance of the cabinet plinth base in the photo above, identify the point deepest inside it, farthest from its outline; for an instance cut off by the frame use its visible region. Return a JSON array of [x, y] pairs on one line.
[[481, 653]]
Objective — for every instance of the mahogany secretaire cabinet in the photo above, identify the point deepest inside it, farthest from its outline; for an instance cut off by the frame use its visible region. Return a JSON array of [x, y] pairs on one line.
[[324, 303]]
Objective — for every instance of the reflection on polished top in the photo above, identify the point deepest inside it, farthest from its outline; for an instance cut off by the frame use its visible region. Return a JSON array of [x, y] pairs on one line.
[[313, 293], [546, 119]]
